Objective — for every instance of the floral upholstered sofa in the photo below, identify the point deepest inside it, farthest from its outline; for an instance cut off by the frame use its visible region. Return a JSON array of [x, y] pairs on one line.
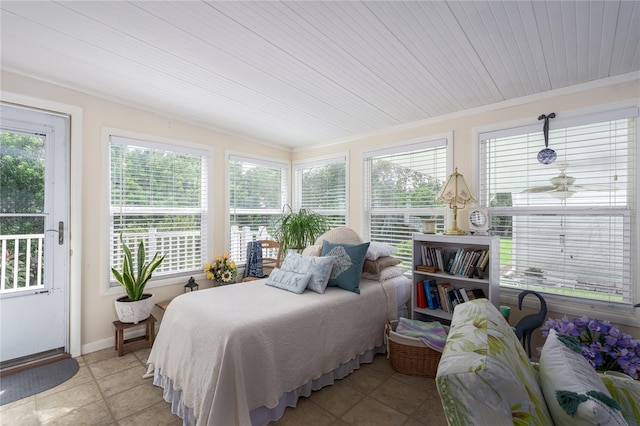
[[485, 378]]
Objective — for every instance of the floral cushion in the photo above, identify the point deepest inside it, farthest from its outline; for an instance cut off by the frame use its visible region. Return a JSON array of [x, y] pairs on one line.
[[484, 376], [626, 392]]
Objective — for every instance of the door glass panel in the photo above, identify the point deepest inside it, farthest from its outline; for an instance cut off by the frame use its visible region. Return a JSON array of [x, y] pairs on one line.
[[22, 218]]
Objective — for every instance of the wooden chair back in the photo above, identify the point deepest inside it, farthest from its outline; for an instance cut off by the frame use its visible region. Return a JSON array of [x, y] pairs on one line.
[[270, 255]]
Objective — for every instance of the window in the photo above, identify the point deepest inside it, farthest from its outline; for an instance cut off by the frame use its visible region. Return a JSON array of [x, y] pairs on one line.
[[400, 186], [258, 191], [158, 194], [322, 187], [566, 228]]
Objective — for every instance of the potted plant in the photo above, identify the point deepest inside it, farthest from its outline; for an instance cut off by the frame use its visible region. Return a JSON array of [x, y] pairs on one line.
[[136, 306], [297, 230]]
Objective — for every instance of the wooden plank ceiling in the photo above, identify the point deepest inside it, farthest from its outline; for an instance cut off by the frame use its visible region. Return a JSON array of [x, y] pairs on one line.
[[298, 74]]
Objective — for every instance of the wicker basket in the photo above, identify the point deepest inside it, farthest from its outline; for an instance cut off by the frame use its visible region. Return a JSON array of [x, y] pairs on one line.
[[409, 355]]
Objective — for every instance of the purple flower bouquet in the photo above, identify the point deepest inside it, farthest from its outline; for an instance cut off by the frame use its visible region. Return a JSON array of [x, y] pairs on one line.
[[603, 345]]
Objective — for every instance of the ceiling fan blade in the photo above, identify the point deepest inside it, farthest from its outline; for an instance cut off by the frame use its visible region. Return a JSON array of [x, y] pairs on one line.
[[540, 189], [591, 188]]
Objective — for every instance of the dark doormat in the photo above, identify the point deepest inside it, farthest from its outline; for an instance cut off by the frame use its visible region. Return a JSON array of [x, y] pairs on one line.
[[36, 380]]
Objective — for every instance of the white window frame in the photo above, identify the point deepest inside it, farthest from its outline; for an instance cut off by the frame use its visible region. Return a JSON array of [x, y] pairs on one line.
[[266, 161], [625, 315], [149, 140], [397, 148], [319, 162]]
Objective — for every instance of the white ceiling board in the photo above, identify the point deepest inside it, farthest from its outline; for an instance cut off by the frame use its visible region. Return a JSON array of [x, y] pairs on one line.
[[299, 74]]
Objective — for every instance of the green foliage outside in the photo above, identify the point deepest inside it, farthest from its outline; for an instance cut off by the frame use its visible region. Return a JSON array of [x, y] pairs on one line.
[[22, 168]]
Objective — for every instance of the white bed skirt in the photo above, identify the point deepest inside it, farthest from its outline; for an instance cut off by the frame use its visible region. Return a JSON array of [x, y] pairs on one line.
[[264, 415]]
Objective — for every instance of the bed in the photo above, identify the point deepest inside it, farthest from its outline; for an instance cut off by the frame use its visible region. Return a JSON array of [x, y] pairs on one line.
[[241, 354]]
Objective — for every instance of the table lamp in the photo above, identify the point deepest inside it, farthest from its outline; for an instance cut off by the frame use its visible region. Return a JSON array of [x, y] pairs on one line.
[[456, 193]]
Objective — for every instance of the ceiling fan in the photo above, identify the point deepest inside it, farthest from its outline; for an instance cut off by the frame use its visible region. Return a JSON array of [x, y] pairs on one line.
[[562, 186]]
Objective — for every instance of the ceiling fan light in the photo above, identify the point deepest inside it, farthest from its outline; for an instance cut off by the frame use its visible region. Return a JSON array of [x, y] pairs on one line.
[[562, 195]]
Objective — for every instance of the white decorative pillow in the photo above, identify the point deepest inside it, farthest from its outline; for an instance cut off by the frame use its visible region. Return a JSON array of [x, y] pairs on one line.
[[377, 250], [319, 268], [340, 234], [574, 393], [385, 274], [313, 250], [288, 280]]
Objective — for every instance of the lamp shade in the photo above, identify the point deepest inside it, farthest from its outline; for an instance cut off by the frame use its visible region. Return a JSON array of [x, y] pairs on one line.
[[455, 190], [456, 193]]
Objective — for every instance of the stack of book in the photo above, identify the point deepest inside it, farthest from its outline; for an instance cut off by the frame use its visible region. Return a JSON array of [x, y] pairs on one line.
[[461, 261], [433, 295]]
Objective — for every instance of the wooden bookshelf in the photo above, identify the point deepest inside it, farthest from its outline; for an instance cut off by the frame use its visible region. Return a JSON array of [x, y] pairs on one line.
[[488, 281]]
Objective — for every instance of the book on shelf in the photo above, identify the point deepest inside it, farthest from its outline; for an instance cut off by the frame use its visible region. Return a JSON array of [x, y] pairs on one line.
[[444, 296], [431, 294], [475, 293], [421, 300]]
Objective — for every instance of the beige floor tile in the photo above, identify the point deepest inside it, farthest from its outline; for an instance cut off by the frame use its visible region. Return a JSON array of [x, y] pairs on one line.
[[100, 355], [430, 413], [399, 396], [122, 380], [110, 366], [424, 384], [157, 415], [94, 414], [370, 412], [382, 365], [134, 400], [143, 355], [82, 376], [56, 405], [365, 380], [338, 398], [305, 413], [19, 413]]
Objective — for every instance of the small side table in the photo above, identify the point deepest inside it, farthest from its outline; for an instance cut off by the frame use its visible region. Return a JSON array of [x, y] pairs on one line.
[[163, 305], [134, 343]]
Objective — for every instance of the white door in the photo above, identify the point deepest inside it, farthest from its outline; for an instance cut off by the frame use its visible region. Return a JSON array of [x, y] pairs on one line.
[[33, 234]]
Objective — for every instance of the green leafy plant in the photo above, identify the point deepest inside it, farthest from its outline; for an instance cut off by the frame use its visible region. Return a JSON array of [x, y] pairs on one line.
[[297, 230], [131, 279]]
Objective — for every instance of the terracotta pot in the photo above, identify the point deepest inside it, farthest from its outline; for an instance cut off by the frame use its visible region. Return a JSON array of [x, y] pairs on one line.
[[134, 312]]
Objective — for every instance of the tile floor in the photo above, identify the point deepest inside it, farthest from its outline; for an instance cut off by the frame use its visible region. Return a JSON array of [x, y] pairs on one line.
[[108, 390]]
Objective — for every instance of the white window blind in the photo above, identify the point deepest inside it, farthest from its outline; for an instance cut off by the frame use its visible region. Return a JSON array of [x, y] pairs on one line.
[[565, 227], [258, 191], [158, 194], [401, 184], [322, 187]]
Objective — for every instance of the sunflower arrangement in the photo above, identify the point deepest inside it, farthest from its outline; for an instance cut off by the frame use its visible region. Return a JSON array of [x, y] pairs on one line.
[[221, 269]]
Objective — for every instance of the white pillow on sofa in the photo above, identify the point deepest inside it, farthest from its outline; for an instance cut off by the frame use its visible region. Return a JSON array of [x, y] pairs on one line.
[[377, 250], [574, 393]]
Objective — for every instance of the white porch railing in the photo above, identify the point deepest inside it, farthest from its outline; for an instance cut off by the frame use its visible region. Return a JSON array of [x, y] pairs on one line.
[[22, 262], [240, 237], [182, 249]]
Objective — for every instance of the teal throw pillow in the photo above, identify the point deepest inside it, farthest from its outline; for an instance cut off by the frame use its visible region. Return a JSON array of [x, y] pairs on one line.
[[347, 264]]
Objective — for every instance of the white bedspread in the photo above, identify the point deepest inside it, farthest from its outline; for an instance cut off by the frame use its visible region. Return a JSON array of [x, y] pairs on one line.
[[235, 348]]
